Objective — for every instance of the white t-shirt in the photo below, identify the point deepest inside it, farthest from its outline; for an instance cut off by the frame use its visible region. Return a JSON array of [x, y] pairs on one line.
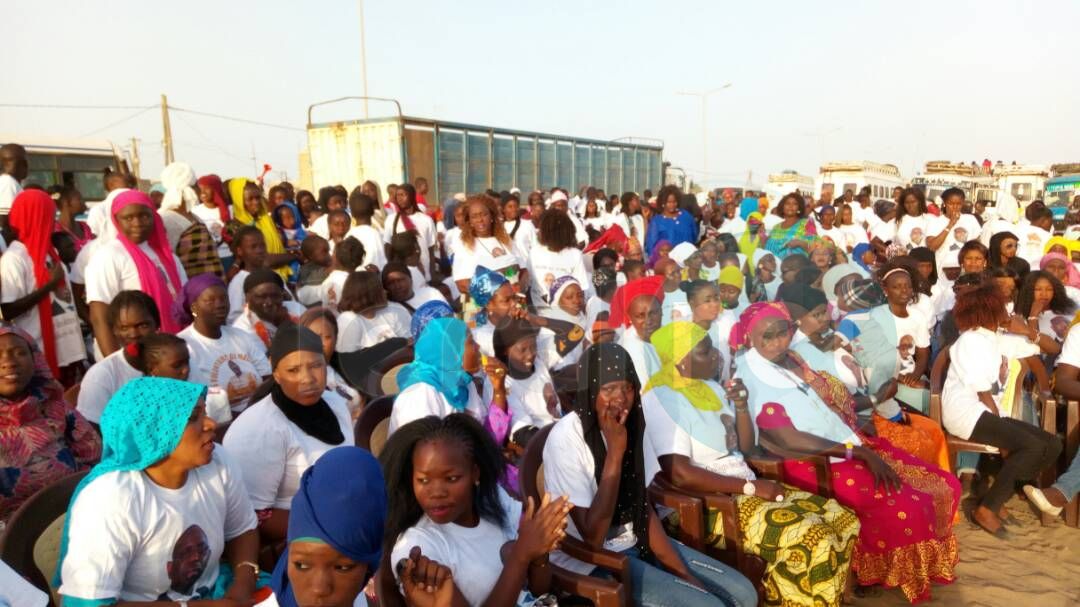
[[321, 226], [473, 554], [911, 333], [112, 270], [736, 226], [675, 307], [247, 320], [211, 218], [128, 534], [451, 241], [593, 308], [484, 335], [272, 452], [545, 266], [913, 231], [234, 364], [103, 379], [17, 281], [425, 230], [374, 249], [851, 235], [336, 383], [996, 226], [642, 354], [1031, 244], [9, 189], [528, 398], [237, 301], [676, 427], [421, 400], [332, 287], [525, 236], [967, 228], [568, 470], [487, 252], [356, 332], [975, 365], [1070, 350], [834, 234], [423, 294], [885, 231]]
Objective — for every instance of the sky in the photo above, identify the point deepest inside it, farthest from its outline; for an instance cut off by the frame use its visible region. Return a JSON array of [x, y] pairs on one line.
[[897, 82]]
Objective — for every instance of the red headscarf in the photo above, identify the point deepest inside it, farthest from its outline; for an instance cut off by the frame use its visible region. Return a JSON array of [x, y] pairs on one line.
[[149, 276], [612, 238], [757, 312], [214, 183], [32, 217], [625, 295]]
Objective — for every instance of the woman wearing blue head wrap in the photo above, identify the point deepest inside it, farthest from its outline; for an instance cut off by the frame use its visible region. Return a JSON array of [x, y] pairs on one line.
[[483, 287], [427, 313], [152, 521], [335, 532]]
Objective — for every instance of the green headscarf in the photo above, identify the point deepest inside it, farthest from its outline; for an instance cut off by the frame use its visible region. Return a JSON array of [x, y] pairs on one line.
[[673, 342], [142, 424]]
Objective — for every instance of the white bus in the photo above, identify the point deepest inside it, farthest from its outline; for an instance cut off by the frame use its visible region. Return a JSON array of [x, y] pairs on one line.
[[68, 162], [785, 182], [839, 177], [941, 175]]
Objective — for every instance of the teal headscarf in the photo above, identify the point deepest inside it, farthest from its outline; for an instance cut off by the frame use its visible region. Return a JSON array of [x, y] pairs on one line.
[[437, 361], [142, 424]]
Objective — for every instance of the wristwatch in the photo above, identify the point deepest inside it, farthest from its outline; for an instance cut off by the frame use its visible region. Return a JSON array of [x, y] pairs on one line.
[[749, 488]]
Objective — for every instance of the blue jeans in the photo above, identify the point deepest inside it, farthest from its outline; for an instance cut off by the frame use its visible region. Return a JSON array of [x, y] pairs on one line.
[[652, 586], [1069, 483]]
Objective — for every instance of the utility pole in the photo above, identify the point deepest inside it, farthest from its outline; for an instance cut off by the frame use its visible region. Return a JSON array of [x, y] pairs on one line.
[[135, 157], [363, 54], [167, 141], [704, 96], [254, 164]]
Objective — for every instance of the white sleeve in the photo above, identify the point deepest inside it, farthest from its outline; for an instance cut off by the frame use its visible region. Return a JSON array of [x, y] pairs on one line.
[[415, 402], [400, 320], [239, 513], [972, 360], [1070, 351], [922, 332], [568, 466], [667, 437], [260, 453], [95, 391], [257, 353], [102, 539], [388, 227], [102, 278], [13, 283], [9, 189]]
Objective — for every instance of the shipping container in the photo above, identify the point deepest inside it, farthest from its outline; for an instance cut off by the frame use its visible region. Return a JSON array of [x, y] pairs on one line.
[[457, 157]]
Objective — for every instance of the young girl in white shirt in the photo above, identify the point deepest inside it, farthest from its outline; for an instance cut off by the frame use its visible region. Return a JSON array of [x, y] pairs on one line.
[[449, 523]]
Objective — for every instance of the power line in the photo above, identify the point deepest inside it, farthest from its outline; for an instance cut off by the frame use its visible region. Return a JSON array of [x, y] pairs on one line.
[[208, 140], [119, 122], [234, 119], [57, 106]]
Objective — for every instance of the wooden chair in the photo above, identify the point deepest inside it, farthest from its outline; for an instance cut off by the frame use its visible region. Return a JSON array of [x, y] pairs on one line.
[[370, 429], [955, 444], [367, 369], [1072, 445], [602, 593], [30, 543]]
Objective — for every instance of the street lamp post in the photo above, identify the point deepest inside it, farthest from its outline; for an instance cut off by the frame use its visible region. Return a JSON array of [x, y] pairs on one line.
[[363, 54], [704, 96]]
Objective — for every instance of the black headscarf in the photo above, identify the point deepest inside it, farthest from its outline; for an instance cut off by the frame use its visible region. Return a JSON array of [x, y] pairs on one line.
[[262, 276], [601, 364], [506, 335], [318, 420]]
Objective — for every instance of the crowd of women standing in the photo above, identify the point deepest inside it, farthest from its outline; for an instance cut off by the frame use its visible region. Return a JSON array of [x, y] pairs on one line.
[[198, 357]]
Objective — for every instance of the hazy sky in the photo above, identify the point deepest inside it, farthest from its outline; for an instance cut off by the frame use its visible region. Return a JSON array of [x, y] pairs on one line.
[[903, 82]]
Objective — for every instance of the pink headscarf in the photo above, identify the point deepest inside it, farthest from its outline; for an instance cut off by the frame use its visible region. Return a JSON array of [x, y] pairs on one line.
[[752, 316], [150, 277], [1072, 275]]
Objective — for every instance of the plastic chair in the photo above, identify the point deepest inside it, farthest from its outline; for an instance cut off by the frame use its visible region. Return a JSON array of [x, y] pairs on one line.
[[366, 369], [602, 593], [30, 543], [955, 444], [373, 423]]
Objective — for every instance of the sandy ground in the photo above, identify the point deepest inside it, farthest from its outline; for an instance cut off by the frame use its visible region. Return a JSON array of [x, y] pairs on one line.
[[1037, 566]]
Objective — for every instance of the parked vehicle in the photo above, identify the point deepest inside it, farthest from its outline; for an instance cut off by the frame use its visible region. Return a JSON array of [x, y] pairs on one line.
[[941, 175], [838, 177], [79, 163]]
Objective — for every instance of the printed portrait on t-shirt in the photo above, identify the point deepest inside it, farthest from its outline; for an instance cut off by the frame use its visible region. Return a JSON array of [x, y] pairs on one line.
[[906, 349], [960, 234], [916, 236], [236, 374], [1060, 324], [190, 556]]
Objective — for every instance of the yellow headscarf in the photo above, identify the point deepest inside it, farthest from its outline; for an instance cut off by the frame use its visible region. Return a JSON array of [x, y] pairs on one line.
[[748, 242], [673, 342], [1071, 246], [265, 222]]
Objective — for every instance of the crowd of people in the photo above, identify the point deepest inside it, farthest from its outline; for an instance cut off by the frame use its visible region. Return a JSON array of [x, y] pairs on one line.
[[198, 351]]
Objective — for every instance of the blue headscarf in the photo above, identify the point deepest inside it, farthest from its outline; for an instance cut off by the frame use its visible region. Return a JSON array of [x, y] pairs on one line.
[[142, 424], [437, 361], [857, 255], [341, 502], [297, 217], [482, 288], [747, 206], [426, 313]]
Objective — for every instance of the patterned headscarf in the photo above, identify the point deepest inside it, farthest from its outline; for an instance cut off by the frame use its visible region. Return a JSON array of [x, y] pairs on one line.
[[426, 313], [603, 279], [860, 294], [142, 424], [751, 317], [482, 288], [559, 287], [673, 342]]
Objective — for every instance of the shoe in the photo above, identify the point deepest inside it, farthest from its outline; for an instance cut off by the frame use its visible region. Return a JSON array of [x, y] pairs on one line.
[[1036, 497]]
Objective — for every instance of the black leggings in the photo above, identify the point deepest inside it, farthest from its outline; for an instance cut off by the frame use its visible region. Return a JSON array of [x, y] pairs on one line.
[[1030, 450]]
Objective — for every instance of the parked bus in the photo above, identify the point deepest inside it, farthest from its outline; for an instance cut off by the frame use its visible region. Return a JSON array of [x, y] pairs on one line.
[[1062, 188], [70, 162], [835, 178], [940, 175]]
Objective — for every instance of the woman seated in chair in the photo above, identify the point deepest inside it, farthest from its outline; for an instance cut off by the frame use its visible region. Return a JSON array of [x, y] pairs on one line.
[[869, 387], [43, 437], [450, 529], [154, 519], [805, 539], [293, 422], [906, 507], [335, 532], [637, 310], [323, 323], [529, 391], [600, 458], [972, 395]]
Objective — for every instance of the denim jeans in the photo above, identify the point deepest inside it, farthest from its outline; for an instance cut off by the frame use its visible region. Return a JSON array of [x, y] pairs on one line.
[[652, 586], [1069, 483]]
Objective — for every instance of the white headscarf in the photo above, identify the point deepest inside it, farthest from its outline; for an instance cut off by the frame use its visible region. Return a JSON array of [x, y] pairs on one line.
[[177, 178]]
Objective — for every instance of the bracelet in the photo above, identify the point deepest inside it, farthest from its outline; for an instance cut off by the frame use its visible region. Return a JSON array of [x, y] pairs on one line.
[[849, 448], [254, 567]]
